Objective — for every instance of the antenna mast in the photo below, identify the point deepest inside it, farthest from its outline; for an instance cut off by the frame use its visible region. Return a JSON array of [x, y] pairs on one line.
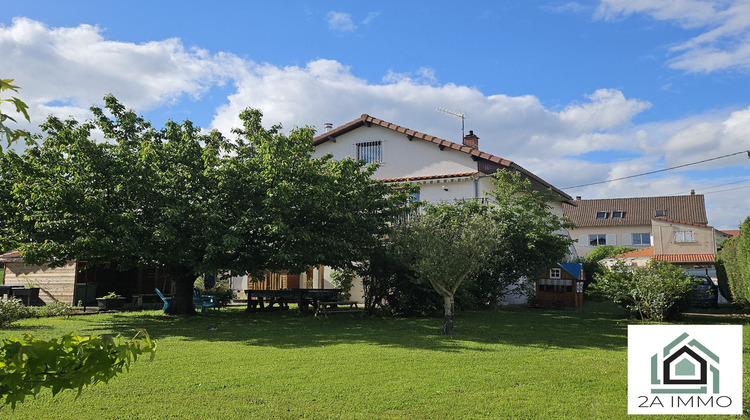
[[461, 115]]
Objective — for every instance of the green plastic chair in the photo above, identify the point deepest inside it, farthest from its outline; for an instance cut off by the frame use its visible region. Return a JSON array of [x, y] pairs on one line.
[[167, 300]]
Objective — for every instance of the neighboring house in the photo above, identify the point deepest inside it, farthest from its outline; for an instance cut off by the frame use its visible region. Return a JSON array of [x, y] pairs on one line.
[[561, 286], [628, 221], [73, 282], [446, 171]]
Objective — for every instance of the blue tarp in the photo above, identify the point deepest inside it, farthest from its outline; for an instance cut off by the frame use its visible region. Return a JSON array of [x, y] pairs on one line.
[[574, 269]]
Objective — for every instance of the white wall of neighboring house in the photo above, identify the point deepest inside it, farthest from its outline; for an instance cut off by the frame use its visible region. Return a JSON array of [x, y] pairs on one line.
[[691, 239]]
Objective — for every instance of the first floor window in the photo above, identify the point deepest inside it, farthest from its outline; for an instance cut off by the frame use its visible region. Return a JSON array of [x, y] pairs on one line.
[[555, 285], [370, 151], [554, 273], [641, 239], [684, 236], [597, 240]]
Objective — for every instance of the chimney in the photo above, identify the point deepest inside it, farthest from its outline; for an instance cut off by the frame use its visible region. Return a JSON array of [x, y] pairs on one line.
[[692, 192], [471, 140], [328, 127], [578, 198]]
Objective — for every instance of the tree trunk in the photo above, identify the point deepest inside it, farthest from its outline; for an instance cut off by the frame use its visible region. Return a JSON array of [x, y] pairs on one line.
[[182, 302], [449, 312]]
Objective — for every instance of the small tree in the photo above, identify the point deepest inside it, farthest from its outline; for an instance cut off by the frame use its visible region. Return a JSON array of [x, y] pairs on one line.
[[445, 245], [651, 292]]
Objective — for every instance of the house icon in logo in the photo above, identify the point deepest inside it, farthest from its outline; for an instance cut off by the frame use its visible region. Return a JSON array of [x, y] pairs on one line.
[[685, 363]]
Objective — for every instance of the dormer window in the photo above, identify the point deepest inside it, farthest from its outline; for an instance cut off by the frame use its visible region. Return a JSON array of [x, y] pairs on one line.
[[618, 214], [660, 213], [602, 214]]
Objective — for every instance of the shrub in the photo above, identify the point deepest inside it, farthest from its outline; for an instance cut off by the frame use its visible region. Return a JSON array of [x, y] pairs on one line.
[[343, 279], [52, 309], [726, 267], [12, 310], [221, 293], [651, 292]]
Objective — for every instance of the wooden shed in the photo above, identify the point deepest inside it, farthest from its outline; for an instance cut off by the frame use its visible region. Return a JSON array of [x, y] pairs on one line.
[[561, 285], [76, 282]]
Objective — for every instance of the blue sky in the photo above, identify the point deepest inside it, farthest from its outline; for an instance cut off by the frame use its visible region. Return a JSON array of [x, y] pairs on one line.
[[577, 92]]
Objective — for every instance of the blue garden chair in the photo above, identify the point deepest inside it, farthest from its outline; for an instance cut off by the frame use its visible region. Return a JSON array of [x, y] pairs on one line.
[[204, 301], [167, 300]]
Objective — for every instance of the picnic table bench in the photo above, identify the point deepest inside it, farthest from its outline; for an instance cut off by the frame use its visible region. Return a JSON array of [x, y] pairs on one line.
[[264, 300], [331, 307]]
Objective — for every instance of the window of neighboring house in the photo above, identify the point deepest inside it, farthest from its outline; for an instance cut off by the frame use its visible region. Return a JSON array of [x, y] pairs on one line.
[[684, 236], [618, 214], [554, 273], [660, 213], [597, 240], [370, 151], [602, 214], [641, 239], [414, 197]]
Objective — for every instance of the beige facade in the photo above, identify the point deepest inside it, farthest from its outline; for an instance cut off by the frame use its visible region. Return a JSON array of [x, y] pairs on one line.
[[682, 238], [56, 284], [632, 236]]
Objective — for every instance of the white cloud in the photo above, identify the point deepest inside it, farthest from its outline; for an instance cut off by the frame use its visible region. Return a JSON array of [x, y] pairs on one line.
[[340, 21], [63, 71], [370, 17], [723, 44]]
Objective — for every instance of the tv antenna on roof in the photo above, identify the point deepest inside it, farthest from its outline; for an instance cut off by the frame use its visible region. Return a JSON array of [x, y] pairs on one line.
[[461, 115]]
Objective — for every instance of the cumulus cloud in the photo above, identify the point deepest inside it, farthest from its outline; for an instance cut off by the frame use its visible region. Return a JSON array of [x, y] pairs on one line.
[[63, 71], [723, 44], [340, 21]]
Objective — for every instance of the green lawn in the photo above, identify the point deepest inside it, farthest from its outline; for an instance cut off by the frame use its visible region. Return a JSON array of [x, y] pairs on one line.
[[512, 363]]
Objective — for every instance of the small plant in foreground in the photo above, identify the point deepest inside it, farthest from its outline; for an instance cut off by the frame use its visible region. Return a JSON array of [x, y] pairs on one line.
[[27, 365]]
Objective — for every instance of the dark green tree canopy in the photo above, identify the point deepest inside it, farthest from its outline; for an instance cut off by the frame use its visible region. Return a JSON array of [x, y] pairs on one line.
[[188, 201]]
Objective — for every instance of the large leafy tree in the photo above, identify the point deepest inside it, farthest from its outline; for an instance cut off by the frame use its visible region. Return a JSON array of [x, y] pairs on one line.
[[188, 201]]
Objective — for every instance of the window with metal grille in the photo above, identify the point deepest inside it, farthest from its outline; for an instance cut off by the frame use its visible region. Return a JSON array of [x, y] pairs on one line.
[[370, 151]]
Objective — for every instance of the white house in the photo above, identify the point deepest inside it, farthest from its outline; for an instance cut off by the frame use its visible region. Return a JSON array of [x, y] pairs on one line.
[[446, 171]]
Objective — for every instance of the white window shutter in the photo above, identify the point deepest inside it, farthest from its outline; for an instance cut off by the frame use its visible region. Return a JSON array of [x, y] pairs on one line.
[[651, 239], [627, 239], [583, 240], [611, 239]]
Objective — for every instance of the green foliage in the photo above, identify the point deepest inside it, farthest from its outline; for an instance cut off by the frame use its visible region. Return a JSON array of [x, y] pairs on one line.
[[111, 295], [727, 270], [11, 310], [343, 279], [221, 293], [650, 292], [742, 281], [591, 265], [11, 135], [51, 309], [28, 365], [188, 201]]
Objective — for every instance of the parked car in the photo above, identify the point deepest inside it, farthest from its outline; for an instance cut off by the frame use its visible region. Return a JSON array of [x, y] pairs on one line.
[[705, 293]]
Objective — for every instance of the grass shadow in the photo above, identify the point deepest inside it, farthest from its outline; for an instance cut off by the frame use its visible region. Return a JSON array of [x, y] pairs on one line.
[[593, 326]]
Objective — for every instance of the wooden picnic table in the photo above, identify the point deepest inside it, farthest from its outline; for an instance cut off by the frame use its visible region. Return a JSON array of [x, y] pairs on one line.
[[258, 299]]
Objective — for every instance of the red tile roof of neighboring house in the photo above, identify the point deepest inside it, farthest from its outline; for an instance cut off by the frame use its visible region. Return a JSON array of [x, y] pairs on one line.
[[426, 177], [682, 223], [367, 120], [638, 210], [733, 233], [685, 257], [643, 252], [10, 256]]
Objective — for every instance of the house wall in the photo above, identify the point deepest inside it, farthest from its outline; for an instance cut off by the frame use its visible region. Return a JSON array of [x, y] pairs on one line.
[[584, 248], [704, 241], [56, 284], [401, 157]]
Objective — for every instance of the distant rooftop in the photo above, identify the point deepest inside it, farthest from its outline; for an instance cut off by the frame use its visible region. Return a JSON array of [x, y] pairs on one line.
[[637, 211]]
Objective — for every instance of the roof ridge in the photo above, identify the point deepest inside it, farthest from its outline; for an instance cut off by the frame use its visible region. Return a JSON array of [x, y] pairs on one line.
[[664, 219]]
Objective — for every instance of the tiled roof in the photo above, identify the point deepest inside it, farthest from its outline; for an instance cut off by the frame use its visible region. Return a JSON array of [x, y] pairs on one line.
[[638, 210], [367, 120], [681, 223], [697, 258], [10, 256], [426, 177], [732, 233], [643, 252]]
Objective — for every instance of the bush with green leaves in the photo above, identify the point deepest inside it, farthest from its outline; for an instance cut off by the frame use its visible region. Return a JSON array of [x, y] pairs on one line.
[[221, 293], [11, 310], [52, 309], [343, 279], [28, 365], [650, 292]]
